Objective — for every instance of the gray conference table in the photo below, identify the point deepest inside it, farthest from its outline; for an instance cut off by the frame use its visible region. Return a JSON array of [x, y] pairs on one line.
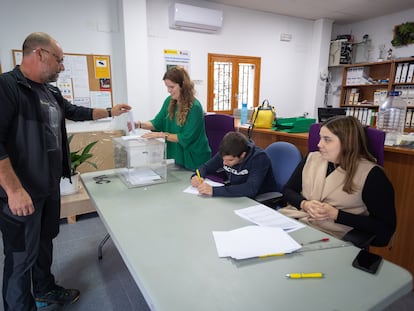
[[165, 238]]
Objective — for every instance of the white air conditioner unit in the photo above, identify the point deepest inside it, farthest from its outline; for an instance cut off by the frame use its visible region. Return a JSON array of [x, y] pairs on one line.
[[192, 18]]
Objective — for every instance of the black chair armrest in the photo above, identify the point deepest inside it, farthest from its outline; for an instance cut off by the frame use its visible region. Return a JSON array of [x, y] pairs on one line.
[[359, 238], [271, 199], [264, 197]]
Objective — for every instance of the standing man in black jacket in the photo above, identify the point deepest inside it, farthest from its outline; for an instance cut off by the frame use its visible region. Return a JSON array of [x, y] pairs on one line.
[[34, 154]]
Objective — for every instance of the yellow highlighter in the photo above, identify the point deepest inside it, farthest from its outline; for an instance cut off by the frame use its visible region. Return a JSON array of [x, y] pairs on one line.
[[312, 275], [272, 255], [198, 175]]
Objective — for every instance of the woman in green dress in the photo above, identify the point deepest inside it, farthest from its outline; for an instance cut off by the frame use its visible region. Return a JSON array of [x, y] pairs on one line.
[[180, 121]]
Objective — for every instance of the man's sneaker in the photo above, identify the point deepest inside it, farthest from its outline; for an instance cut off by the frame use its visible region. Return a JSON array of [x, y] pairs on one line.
[[59, 295]]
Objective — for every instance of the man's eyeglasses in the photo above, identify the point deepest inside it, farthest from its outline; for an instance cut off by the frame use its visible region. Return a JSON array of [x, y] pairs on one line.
[[58, 59]]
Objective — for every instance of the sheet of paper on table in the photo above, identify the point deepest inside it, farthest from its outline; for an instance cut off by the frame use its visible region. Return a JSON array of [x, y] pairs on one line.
[[263, 215], [254, 241], [194, 190]]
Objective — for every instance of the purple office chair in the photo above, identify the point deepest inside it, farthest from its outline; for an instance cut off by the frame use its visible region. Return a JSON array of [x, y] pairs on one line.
[[313, 138], [217, 125], [375, 140]]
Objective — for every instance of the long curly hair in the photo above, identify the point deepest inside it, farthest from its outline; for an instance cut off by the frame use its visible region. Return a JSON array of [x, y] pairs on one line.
[[187, 94], [354, 146]]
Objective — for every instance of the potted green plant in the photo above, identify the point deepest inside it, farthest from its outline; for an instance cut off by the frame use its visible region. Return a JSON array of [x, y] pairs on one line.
[[77, 158]]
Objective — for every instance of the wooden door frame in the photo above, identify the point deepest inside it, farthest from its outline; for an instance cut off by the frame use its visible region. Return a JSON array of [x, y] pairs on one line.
[[232, 58]]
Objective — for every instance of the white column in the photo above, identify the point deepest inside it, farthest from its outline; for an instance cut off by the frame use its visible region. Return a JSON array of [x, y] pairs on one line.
[[134, 23], [319, 63]]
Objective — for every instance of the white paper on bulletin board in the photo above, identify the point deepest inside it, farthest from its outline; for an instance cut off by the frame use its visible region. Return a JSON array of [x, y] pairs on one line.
[[66, 87], [82, 101], [76, 68], [100, 99], [175, 58]]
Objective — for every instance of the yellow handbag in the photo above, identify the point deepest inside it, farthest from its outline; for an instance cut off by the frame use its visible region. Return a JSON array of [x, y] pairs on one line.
[[263, 116]]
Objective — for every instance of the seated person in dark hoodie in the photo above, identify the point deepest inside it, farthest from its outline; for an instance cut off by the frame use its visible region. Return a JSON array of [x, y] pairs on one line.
[[247, 167]]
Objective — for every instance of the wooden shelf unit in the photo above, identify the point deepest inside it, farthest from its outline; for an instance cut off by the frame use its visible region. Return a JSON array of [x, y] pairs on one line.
[[383, 73]]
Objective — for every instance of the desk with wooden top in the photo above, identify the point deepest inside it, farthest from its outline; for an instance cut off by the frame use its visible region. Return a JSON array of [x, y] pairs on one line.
[[264, 137], [399, 167]]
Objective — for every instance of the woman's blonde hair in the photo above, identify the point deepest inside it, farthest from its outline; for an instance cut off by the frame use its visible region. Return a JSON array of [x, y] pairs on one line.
[[187, 94], [354, 146]]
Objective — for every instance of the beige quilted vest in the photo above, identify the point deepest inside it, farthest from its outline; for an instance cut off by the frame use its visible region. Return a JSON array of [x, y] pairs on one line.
[[316, 186]]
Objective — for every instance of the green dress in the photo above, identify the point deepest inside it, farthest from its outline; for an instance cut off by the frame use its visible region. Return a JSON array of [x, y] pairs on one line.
[[192, 148]]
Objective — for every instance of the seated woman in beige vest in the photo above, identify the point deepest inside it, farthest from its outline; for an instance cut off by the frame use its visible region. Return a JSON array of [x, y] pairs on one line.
[[340, 187]]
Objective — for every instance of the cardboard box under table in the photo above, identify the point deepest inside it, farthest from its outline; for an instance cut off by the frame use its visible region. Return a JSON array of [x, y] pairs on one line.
[[140, 162], [79, 203]]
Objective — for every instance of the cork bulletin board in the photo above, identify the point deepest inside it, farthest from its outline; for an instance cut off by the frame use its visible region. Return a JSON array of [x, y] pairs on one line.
[[86, 80]]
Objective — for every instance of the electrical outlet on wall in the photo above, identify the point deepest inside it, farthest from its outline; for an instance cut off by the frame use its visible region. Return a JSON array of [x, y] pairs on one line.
[[323, 74]]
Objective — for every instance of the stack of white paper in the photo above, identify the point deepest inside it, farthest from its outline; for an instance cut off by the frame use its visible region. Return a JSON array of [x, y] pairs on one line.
[[254, 241], [140, 175], [132, 137], [263, 215]]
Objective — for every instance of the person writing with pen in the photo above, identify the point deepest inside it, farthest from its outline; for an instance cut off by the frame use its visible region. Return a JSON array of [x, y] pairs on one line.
[[340, 187], [247, 168]]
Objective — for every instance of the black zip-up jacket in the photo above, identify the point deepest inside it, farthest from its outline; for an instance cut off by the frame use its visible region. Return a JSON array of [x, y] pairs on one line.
[[23, 131]]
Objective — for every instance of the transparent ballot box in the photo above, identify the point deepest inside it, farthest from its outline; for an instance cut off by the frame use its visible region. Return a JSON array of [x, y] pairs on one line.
[[140, 162]]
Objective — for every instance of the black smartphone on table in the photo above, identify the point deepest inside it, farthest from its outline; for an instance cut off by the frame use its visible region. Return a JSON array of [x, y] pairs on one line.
[[367, 261]]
